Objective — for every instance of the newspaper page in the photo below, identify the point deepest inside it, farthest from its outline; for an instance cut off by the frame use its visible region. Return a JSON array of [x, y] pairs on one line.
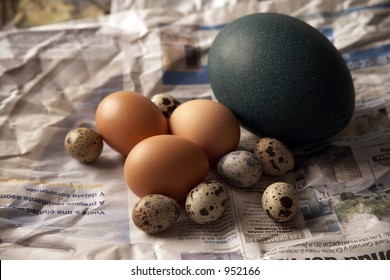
[[52, 78]]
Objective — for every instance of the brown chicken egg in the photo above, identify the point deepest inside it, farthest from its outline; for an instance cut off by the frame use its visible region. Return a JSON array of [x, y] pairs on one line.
[[209, 124], [165, 164], [125, 118]]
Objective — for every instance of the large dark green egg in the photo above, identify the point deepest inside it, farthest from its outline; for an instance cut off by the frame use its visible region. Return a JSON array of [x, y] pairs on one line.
[[282, 78]]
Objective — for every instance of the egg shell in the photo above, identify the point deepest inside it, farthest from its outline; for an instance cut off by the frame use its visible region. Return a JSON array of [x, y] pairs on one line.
[[207, 202], [84, 144], [166, 103], [125, 118], [275, 157], [209, 124], [282, 78], [155, 213], [280, 201], [165, 164], [240, 168]]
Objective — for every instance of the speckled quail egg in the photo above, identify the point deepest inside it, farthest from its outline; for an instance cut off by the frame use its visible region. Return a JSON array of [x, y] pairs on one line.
[[166, 103], [240, 168], [275, 157], [84, 144], [206, 202], [280, 201], [155, 213]]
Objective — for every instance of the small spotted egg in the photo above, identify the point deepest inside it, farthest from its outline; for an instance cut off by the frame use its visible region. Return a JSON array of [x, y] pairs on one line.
[[84, 144], [280, 202], [166, 103], [206, 202], [275, 157], [155, 213], [240, 168]]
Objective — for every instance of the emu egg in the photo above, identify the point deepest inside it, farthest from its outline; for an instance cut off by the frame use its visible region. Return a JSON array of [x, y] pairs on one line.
[[282, 78]]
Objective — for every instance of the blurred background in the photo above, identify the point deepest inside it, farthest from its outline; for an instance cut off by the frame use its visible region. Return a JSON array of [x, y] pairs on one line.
[[29, 13]]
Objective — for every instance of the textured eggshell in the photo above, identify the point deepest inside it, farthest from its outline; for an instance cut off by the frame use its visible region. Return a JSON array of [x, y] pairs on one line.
[[275, 157], [282, 78], [166, 103], [280, 201], [240, 168], [207, 202], [209, 124], [165, 164], [155, 213], [126, 118], [84, 144]]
